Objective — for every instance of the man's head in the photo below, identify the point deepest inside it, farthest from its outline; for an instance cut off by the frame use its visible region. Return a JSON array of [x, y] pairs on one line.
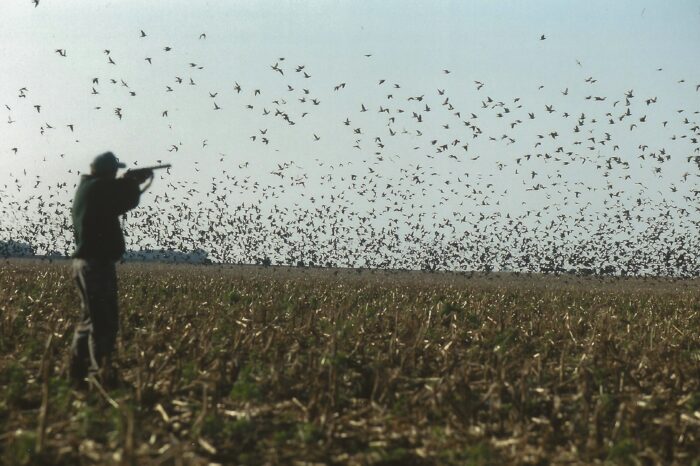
[[106, 165]]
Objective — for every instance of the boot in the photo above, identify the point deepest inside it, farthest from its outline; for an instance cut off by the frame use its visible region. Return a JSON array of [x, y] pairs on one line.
[[77, 374], [107, 375]]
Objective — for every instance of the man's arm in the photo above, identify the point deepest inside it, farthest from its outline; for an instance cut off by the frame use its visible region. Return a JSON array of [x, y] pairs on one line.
[[124, 195]]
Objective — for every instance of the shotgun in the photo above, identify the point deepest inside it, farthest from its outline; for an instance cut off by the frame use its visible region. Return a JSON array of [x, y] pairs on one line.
[[142, 174]]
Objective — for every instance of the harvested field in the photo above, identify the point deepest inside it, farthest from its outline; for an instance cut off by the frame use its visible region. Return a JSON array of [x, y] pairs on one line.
[[252, 365]]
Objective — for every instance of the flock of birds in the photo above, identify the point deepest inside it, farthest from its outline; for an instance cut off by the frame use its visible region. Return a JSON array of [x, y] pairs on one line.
[[583, 201]]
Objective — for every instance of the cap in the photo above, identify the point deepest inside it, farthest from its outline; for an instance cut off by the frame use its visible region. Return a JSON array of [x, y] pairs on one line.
[[105, 163]]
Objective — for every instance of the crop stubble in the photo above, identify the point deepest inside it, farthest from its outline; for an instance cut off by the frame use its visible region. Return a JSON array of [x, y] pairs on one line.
[[252, 365]]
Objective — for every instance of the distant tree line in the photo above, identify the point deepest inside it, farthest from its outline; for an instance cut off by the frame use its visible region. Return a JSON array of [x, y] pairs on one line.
[[16, 249]]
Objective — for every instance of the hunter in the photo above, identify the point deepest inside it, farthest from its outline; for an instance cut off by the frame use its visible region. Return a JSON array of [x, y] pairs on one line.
[[100, 199]]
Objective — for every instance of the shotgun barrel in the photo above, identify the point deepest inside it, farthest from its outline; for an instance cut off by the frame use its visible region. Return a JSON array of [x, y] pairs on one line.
[[154, 167]]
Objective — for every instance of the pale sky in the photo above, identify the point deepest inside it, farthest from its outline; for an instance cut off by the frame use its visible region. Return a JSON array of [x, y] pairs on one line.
[[590, 49]]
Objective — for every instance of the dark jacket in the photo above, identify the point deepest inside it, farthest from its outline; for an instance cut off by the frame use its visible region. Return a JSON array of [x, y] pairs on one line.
[[97, 205]]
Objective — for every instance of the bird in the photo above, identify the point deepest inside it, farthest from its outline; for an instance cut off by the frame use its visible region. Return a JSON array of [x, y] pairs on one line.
[[276, 68], [573, 163]]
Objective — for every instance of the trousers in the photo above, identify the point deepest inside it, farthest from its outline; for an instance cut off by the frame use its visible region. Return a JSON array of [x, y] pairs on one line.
[[96, 332]]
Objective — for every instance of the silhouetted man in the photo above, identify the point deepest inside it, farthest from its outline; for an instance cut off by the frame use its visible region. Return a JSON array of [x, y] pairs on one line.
[[100, 199]]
